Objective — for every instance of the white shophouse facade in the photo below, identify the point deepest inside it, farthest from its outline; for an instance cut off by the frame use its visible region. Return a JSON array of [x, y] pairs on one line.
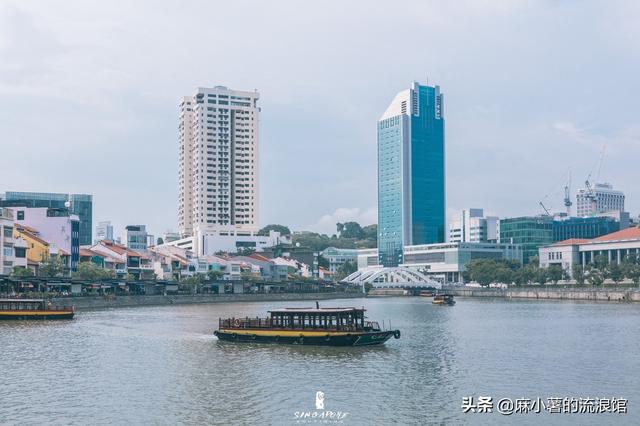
[[614, 247]]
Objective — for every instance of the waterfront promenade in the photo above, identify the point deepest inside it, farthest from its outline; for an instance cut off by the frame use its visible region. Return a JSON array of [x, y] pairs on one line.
[[611, 294], [83, 303]]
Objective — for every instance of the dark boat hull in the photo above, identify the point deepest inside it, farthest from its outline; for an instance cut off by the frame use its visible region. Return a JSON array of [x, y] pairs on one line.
[[35, 315], [307, 338]]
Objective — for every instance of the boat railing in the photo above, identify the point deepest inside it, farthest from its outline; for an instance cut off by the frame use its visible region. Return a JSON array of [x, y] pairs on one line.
[[269, 323], [245, 323], [19, 305], [373, 325]]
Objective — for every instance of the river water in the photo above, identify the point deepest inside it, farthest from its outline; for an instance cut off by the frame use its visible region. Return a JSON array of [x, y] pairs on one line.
[[161, 365]]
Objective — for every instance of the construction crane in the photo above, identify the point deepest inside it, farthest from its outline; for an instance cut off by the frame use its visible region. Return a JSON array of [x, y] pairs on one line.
[[567, 195], [544, 208], [590, 193]]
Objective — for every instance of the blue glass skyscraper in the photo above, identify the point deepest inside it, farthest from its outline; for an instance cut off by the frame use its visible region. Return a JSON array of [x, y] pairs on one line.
[[411, 172]]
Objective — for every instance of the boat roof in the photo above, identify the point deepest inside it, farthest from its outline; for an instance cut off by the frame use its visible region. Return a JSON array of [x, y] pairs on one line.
[[316, 310], [21, 300]]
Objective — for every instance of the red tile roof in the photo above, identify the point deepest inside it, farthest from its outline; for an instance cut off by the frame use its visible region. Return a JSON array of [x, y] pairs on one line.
[[33, 237], [624, 234], [119, 248], [88, 253], [259, 257], [113, 246]]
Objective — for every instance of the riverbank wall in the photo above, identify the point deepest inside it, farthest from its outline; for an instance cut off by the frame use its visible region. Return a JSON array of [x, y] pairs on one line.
[[597, 295], [86, 303]]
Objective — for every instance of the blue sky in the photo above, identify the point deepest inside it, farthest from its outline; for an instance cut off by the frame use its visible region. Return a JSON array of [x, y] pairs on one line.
[[89, 94]]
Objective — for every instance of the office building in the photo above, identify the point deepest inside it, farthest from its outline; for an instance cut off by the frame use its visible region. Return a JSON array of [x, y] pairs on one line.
[[59, 228], [209, 244], [218, 165], [411, 172], [583, 227], [104, 231], [137, 237], [470, 226], [599, 199], [78, 204], [338, 257], [530, 232], [170, 236], [444, 262]]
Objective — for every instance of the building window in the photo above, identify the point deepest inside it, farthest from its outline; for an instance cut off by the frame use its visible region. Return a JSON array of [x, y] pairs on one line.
[[20, 215]]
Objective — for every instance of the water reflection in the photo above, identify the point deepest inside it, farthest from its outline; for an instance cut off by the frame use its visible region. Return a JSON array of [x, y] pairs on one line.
[[163, 365]]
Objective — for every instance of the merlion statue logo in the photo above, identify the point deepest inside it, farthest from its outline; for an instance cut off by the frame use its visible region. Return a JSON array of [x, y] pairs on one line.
[[319, 400]]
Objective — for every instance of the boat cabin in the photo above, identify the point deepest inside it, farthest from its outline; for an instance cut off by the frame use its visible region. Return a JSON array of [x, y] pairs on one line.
[[443, 299], [334, 319], [23, 305]]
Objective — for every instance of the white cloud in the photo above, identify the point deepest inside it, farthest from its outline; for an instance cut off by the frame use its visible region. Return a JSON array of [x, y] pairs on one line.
[[531, 89], [327, 223]]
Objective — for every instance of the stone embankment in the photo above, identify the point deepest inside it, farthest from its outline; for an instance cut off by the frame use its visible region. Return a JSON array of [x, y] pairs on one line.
[[97, 302], [599, 295]]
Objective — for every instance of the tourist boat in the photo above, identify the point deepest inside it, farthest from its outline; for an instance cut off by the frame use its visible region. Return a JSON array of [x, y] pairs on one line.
[[426, 293], [307, 326], [25, 309], [443, 299]]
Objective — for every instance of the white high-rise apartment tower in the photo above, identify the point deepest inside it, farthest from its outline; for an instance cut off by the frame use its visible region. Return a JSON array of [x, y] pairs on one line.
[[601, 198], [218, 172]]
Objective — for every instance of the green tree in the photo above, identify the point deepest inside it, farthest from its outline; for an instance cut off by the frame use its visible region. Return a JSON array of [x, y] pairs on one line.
[[249, 276], [370, 232], [555, 273], [632, 272], [246, 251], [51, 266], [525, 275], [346, 269], [22, 272], [595, 276], [504, 275], [578, 273], [91, 271], [323, 262], [482, 271], [283, 230], [542, 275], [314, 241], [193, 283], [215, 275], [350, 230], [615, 272], [600, 262]]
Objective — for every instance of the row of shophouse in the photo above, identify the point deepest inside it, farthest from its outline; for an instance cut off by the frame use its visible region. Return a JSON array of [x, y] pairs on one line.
[[29, 236]]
